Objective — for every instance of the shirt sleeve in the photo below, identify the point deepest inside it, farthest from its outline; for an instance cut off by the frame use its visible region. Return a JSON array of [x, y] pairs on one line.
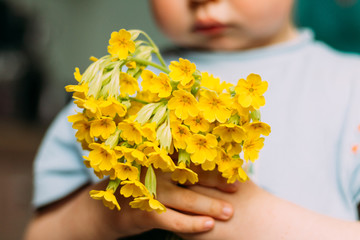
[[58, 166], [354, 145], [351, 143]]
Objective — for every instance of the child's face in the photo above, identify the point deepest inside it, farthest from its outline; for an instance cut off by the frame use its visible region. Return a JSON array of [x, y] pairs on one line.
[[225, 24]]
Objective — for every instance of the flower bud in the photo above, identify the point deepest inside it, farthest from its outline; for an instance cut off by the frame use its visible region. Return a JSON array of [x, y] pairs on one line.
[[163, 134], [255, 115], [146, 112], [183, 157], [150, 181], [160, 114]]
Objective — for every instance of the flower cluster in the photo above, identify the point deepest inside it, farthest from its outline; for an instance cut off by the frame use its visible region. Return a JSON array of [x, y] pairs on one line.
[[178, 118]]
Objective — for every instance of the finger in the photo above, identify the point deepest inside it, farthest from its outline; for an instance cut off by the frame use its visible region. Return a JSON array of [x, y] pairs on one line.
[[208, 191], [174, 221], [215, 180], [185, 200]]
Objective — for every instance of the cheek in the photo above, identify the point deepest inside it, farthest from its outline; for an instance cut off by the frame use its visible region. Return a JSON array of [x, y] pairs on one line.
[[172, 16], [264, 15]]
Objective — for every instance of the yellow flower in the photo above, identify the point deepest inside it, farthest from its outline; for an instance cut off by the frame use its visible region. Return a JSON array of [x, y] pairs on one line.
[[82, 125], [250, 91], [148, 147], [174, 120], [232, 148], [100, 174], [156, 84], [125, 171], [131, 65], [182, 174], [258, 128], [85, 145], [197, 123], [102, 156], [121, 44], [252, 147], [202, 148], [230, 132], [102, 127], [162, 86], [147, 96], [208, 165], [184, 104], [118, 151], [80, 90], [108, 198], [182, 71], [128, 84], [134, 108], [149, 131], [180, 134], [243, 113], [147, 79], [111, 107], [130, 131], [148, 203], [161, 160], [93, 59], [133, 188], [215, 106], [235, 172], [187, 86], [76, 117], [212, 83], [223, 160], [132, 154], [91, 106], [77, 75]]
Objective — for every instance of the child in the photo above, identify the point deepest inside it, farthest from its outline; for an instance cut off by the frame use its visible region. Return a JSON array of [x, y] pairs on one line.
[[307, 166]]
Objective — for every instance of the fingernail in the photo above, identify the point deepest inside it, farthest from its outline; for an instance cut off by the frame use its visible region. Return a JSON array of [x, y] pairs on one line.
[[227, 211], [208, 224]]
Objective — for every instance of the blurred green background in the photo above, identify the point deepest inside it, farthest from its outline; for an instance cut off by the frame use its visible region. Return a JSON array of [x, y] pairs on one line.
[[42, 41]]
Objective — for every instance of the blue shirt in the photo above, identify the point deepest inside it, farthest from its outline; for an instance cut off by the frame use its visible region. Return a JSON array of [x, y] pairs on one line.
[[311, 105]]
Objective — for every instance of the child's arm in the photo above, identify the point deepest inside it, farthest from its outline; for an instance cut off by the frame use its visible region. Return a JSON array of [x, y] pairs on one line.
[[80, 217], [260, 215]]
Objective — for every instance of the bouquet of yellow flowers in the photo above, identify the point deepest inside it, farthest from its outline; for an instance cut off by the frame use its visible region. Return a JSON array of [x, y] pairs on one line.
[[130, 131]]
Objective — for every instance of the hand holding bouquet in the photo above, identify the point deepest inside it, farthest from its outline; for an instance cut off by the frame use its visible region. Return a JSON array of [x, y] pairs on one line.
[[130, 131]]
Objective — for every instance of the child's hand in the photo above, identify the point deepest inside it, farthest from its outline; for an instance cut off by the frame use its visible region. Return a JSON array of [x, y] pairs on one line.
[[187, 211], [261, 215], [80, 217], [245, 203]]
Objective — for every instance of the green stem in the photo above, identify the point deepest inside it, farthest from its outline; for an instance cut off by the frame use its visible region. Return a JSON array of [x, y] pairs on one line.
[[138, 100], [156, 49], [157, 53], [145, 62]]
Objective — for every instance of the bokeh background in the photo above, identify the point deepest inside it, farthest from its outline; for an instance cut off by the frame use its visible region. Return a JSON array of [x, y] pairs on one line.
[[42, 41]]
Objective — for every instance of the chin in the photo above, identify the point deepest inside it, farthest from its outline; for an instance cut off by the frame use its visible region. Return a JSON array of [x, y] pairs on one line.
[[225, 45]]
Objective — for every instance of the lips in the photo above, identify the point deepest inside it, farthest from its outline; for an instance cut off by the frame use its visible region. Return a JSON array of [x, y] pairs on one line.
[[209, 27]]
